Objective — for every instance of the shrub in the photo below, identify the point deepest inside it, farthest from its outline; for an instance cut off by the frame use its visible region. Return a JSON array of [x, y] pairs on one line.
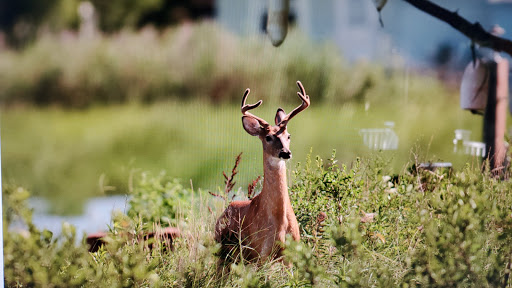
[[324, 187], [437, 228], [35, 258], [466, 234], [192, 61], [156, 200], [420, 228]]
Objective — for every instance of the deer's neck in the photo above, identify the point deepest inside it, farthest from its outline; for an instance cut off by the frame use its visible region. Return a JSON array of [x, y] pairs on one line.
[[275, 186]]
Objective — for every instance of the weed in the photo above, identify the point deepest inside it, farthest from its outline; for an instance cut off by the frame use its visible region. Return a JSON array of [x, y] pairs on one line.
[[360, 228]]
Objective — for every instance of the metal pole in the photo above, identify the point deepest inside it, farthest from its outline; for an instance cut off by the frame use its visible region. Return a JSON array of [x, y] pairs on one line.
[[490, 115], [496, 115]]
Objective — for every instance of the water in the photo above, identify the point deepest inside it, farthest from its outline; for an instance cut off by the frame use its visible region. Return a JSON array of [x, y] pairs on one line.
[[96, 217]]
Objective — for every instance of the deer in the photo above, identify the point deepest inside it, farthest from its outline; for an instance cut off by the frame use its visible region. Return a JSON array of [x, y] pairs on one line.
[[258, 227]]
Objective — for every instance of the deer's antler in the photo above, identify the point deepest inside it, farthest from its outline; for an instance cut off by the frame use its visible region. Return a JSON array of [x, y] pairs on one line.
[[305, 104], [247, 107]]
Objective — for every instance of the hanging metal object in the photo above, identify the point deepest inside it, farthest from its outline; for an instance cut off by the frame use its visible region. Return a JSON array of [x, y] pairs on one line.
[[277, 21], [379, 4], [475, 87]]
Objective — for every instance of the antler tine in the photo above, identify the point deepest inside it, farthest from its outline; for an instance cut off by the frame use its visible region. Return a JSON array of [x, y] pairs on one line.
[[247, 107], [305, 104]]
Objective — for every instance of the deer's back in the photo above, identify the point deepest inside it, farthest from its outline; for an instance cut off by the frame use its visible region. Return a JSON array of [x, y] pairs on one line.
[[228, 224], [229, 227]]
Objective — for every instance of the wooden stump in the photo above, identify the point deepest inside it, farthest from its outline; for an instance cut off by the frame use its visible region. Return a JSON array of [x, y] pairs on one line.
[[165, 236]]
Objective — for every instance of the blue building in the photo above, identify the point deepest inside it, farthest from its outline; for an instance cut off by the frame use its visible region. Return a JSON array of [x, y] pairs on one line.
[[353, 25]]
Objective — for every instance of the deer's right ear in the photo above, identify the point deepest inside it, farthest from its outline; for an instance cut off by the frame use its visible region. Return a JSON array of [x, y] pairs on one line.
[[279, 116], [251, 125]]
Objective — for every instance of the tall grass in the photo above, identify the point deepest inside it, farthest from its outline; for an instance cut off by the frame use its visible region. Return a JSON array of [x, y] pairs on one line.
[[427, 228]]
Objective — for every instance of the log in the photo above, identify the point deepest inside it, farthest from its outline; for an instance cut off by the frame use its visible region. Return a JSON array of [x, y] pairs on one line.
[[165, 236]]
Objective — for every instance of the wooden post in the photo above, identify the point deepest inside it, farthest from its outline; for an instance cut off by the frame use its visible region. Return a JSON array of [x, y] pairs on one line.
[[495, 117]]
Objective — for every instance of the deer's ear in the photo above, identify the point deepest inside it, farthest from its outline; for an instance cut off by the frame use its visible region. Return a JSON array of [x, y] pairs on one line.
[[279, 115], [251, 125]]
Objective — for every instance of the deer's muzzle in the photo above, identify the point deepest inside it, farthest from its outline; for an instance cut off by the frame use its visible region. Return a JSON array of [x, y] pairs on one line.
[[285, 154]]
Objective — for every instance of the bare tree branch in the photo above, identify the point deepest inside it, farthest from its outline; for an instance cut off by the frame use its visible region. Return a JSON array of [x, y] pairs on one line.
[[473, 31]]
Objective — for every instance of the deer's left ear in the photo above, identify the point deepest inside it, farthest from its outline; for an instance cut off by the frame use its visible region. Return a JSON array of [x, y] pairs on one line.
[[279, 115], [251, 126]]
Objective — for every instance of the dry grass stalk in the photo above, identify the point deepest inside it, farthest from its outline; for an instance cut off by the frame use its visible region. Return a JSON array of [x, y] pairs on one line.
[[229, 180], [252, 186]]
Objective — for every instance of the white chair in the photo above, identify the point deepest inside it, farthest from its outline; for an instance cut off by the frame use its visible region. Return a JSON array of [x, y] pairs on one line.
[[462, 144], [379, 138], [474, 148]]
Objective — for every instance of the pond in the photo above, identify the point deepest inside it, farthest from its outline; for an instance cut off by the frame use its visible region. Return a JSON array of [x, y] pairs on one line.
[[96, 216]]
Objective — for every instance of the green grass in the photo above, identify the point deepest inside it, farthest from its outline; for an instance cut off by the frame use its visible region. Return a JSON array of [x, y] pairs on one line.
[[430, 229], [70, 155]]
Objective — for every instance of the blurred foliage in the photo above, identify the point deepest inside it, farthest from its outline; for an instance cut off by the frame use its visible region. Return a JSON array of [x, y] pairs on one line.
[[156, 199], [427, 228], [34, 258], [307, 272], [191, 61], [324, 187], [116, 14], [23, 20], [15, 209], [467, 234], [437, 228]]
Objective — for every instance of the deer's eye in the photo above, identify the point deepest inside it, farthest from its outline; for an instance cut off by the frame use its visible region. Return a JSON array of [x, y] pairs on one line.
[[268, 138]]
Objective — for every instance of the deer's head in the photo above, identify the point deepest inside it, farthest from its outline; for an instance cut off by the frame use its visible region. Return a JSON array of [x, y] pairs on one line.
[[275, 139]]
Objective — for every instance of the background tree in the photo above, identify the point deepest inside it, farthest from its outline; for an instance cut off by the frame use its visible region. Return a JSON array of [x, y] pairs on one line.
[[116, 14], [21, 20]]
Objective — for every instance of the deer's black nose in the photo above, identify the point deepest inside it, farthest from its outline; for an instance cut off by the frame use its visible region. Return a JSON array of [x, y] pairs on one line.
[[285, 154]]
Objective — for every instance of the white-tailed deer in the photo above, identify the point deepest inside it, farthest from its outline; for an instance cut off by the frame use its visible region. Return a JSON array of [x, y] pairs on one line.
[[259, 226]]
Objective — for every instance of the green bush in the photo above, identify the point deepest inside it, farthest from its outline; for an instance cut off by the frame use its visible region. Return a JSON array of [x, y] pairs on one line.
[[34, 258], [192, 61], [156, 200], [22, 20], [117, 14], [466, 234], [418, 228], [427, 228]]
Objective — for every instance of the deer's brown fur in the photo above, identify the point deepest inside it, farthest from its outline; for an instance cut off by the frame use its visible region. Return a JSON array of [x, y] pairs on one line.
[[259, 226]]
